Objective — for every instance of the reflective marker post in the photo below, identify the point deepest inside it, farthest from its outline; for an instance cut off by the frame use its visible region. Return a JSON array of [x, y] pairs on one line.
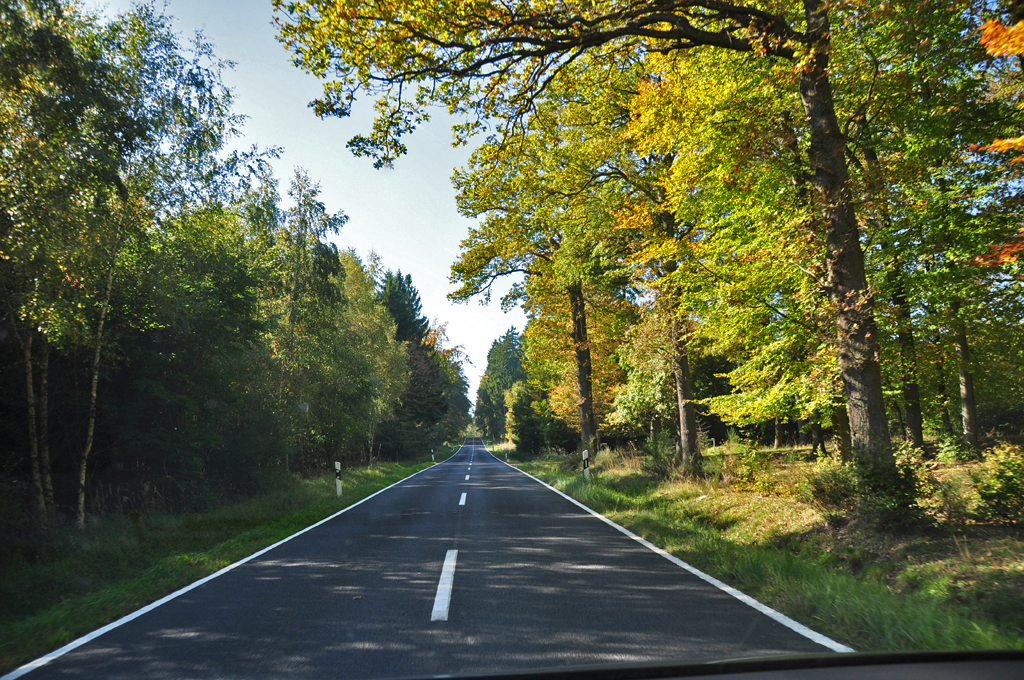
[[586, 464], [432, 455], [337, 476]]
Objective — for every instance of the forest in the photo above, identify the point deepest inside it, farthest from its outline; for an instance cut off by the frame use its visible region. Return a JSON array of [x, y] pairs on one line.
[[174, 332], [787, 222], [769, 253]]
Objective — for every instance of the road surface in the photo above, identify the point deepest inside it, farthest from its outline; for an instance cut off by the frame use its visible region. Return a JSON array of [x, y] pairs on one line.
[[468, 566]]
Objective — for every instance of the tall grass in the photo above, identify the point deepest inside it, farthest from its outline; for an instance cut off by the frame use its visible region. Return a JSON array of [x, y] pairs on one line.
[[859, 609]]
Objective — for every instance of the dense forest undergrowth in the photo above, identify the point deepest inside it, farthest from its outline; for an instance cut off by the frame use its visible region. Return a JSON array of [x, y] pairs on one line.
[[79, 580], [787, 533]]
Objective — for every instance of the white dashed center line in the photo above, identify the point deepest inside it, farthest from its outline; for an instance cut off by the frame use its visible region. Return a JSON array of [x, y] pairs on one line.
[[462, 501], [444, 587]]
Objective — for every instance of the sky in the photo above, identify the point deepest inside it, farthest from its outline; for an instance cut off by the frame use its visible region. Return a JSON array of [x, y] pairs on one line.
[[407, 214]]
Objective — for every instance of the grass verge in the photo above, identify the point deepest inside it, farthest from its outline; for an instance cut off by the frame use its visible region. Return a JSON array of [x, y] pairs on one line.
[[874, 592], [119, 564]]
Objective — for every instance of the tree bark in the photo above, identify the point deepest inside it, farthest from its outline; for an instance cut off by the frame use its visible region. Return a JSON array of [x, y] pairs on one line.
[[583, 365], [940, 375], [903, 424], [908, 360], [968, 410], [856, 328], [841, 432], [94, 385], [911, 389], [914, 424], [689, 452], [33, 435], [44, 421], [778, 434], [817, 438]]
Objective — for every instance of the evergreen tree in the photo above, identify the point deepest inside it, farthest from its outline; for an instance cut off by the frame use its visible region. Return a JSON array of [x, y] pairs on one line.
[[403, 302], [504, 369]]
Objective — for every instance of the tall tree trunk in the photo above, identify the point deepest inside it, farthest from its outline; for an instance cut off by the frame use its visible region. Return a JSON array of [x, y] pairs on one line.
[[44, 421], [857, 331], [911, 388], [914, 424], [33, 436], [968, 410], [583, 366], [940, 376], [689, 452], [908, 359], [903, 424], [94, 385], [817, 438], [778, 434], [841, 432]]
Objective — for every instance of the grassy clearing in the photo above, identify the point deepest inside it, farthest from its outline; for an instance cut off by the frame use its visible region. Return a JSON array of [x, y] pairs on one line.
[[938, 588], [120, 563]]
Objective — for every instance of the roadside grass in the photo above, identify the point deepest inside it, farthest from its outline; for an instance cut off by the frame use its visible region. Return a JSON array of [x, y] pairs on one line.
[[120, 563], [501, 449], [928, 590]]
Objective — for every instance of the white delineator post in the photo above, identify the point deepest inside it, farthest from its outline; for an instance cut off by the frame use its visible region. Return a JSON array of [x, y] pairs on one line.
[[337, 476], [432, 455], [586, 464]]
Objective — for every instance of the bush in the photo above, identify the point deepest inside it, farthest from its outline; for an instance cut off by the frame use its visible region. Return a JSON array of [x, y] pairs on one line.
[[753, 472], [888, 497], [952, 450], [660, 456], [832, 488], [1001, 484], [952, 501]]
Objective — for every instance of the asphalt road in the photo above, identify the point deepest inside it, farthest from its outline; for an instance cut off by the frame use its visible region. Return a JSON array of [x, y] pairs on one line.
[[378, 592]]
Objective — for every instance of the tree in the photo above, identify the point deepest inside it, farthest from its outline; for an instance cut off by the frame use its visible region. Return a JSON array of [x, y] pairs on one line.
[[521, 421], [493, 60], [504, 368], [65, 132], [118, 124], [403, 302], [434, 406]]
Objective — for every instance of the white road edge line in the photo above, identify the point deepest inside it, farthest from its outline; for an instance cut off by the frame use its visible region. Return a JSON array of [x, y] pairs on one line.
[[795, 626], [71, 646], [462, 501], [444, 587]]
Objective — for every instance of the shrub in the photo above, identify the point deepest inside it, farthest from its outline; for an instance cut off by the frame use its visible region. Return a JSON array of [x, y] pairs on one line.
[[888, 497], [832, 488], [952, 450], [952, 501], [1000, 484], [753, 472], [660, 455]]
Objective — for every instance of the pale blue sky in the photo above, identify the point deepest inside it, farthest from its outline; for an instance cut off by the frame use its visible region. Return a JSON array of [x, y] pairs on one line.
[[407, 214]]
